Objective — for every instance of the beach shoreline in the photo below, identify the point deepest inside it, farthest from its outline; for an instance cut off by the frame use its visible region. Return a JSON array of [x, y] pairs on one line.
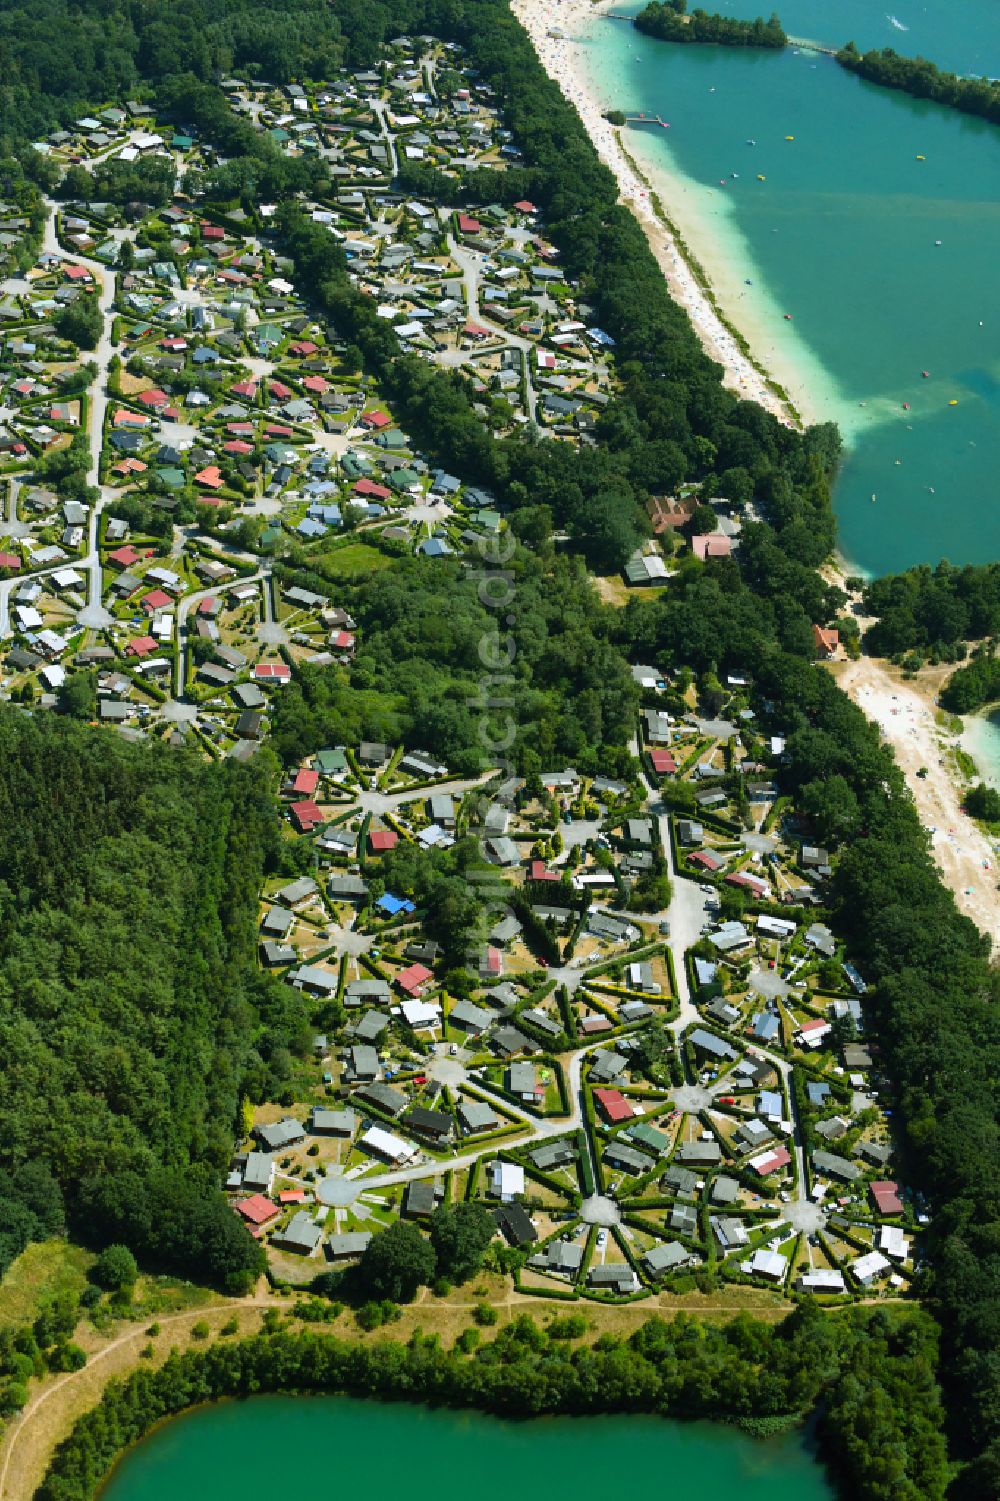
[[925, 751], [552, 25]]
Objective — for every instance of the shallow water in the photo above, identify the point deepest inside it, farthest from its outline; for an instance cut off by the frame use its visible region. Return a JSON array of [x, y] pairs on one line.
[[842, 236]]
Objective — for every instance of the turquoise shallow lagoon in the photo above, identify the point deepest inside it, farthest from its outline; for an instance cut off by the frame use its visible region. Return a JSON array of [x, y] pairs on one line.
[[334, 1447], [843, 236]]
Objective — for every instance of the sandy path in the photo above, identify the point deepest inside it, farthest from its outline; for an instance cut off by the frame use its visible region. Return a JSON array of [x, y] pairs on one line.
[[905, 716], [558, 55]]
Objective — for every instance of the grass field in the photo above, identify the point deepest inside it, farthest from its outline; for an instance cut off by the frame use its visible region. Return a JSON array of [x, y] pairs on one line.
[[352, 561], [53, 1266]]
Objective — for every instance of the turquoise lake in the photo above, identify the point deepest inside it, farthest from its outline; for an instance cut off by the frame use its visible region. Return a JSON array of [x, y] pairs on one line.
[[331, 1447], [842, 235]]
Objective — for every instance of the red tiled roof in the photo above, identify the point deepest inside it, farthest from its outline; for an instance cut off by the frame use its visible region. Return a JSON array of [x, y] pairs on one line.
[[414, 979], [9, 560], [154, 398], [885, 1196], [380, 840], [125, 556], [369, 487], [140, 646], [306, 814], [663, 761], [306, 781], [613, 1105], [375, 419], [156, 600], [765, 1166], [467, 225], [279, 671], [257, 1210]]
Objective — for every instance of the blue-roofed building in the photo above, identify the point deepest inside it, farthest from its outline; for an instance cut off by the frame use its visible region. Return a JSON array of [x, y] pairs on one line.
[[705, 971], [310, 527], [766, 1026], [435, 547], [817, 1093], [329, 515]]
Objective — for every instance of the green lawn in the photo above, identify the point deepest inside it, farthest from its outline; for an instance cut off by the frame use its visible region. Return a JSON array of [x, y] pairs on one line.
[[353, 560], [51, 1266]]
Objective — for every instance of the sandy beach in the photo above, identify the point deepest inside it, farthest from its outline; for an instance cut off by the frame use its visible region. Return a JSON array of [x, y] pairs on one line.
[[551, 24], [905, 715]]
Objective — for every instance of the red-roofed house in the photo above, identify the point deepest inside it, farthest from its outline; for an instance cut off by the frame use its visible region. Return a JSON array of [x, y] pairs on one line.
[[156, 600], [467, 225], [476, 331], [316, 384], [374, 492], [9, 560], [826, 642], [770, 1162], [306, 815], [375, 420], [305, 782], [140, 646], [237, 446], [246, 388], [342, 640], [154, 398], [706, 860], [491, 967], [77, 273], [210, 477], [257, 1210], [381, 840], [524, 207], [280, 390], [272, 672], [124, 418], [663, 762], [303, 347], [711, 545], [292, 1196], [241, 429], [209, 607], [125, 556], [613, 1105], [129, 466], [538, 872], [885, 1197], [212, 231], [415, 979]]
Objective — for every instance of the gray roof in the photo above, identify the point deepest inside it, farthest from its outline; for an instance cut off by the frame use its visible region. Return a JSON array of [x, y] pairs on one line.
[[333, 1122], [301, 1234], [280, 1134], [353, 1243]]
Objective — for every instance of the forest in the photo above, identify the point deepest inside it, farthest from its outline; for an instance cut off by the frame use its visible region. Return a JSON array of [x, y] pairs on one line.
[[419, 671], [924, 80], [932, 609], [972, 686], [667, 20], [128, 900], [871, 1372]]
